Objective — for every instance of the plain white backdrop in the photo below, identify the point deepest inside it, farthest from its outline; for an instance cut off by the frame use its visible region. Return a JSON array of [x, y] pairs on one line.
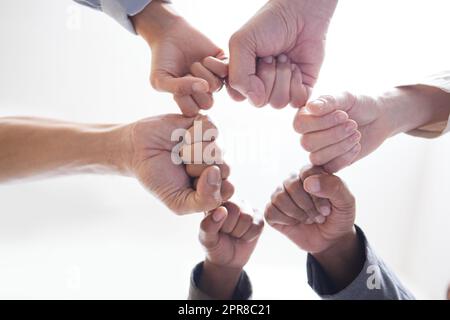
[[106, 237]]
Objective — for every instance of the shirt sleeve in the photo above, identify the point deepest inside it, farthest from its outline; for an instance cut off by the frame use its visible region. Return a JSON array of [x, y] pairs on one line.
[[119, 10], [441, 81], [375, 281], [243, 289]]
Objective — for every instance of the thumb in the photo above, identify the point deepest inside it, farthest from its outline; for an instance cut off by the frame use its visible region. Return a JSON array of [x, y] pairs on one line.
[[242, 70], [211, 225], [331, 188], [207, 196], [182, 86]]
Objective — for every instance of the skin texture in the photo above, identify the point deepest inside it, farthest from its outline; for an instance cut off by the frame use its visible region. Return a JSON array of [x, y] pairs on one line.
[[292, 29], [229, 237], [37, 148], [334, 242], [374, 119]]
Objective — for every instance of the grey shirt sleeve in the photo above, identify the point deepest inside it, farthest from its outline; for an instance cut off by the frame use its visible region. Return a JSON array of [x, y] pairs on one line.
[[243, 289], [375, 281], [119, 10]]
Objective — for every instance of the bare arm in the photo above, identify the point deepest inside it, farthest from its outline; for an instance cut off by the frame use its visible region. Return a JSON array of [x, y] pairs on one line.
[[33, 147]]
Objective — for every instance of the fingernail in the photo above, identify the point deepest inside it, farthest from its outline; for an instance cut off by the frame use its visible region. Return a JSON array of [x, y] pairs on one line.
[[319, 104], [218, 215], [349, 127], [199, 87], [309, 221], [341, 117], [282, 58], [268, 59], [320, 219], [325, 210], [213, 177], [312, 185]]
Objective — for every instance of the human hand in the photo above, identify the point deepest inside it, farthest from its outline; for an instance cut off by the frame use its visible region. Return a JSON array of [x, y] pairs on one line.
[[229, 237], [293, 202], [339, 130], [175, 46], [322, 122], [292, 28], [166, 166]]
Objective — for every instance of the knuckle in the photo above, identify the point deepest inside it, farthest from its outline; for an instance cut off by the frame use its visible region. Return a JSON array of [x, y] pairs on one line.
[[328, 99], [290, 185], [154, 81], [316, 159], [236, 39], [306, 143]]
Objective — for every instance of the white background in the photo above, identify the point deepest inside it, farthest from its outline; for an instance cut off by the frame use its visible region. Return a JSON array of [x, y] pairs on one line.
[[105, 237]]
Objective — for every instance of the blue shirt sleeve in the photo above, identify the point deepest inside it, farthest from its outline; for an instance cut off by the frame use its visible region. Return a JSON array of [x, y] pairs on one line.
[[119, 10]]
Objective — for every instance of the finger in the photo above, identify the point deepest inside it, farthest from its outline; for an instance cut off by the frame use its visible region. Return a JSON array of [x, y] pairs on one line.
[[242, 69], [187, 105], [207, 195], [298, 91], [274, 216], [200, 71], [210, 227], [344, 160], [243, 224], [201, 153], [227, 190], [234, 94], [305, 122], [233, 217], [203, 100], [203, 129], [216, 66], [283, 202], [294, 188], [280, 96], [182, 86], [327, 154], [322, 205], [315, 141], [254, 231], [330, 187], [266, 71], [195, 170], [326, 104]]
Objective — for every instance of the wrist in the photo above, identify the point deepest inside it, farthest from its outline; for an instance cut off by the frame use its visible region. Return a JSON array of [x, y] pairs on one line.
[[343, 260], [154, 21], [340, 246], [111, 148], [219, 282], [409, 108]]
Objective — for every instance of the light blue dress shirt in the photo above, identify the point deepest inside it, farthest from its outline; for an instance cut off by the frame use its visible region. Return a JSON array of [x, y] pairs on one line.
[[119, 10]]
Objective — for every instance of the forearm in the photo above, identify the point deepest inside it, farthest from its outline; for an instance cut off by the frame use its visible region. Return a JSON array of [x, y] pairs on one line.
[[409, 108], [31, 147], [219, 282], [343, 261]]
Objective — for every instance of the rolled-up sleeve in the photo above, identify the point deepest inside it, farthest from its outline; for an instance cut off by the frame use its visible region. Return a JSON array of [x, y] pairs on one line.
[[119, 10], [441, 81], [375, 281]]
